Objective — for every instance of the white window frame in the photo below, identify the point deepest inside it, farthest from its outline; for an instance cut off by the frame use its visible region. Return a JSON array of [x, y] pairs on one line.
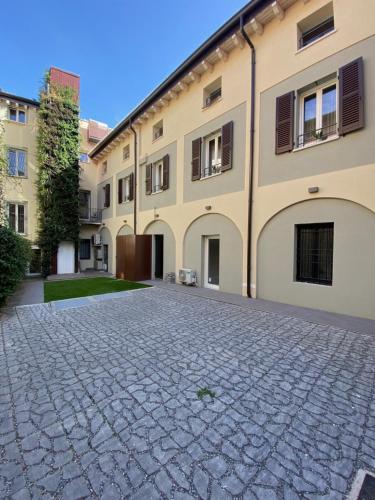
[[318, 90], [17, 151], [216, 166], [159, 125], [17, 204], [17, 109], [126, 152], [126, 189], [157, 177]]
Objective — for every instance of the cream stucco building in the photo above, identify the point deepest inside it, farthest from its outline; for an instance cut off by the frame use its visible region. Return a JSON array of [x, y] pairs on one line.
[[252, 164]]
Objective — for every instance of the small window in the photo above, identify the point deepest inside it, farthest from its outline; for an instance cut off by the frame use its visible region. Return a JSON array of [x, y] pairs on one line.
[[318, 114], [16, 162], [157, 176], [126, 152], [16, 217], [107, 196], [212, 155], [316, 25], [84, 249], [157, 130], [212, 93], [104, 168], [17, 115], [84, 157], [314, 253]]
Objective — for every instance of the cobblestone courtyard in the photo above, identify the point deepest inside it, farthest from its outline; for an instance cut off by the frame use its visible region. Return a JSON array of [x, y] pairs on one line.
[[101, 401]]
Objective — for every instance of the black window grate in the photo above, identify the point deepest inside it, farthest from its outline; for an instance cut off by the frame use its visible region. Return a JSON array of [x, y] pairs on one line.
[[314, 253], [317, 32]]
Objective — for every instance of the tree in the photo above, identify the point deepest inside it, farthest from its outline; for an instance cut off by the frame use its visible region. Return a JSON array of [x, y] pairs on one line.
[[58, 173]]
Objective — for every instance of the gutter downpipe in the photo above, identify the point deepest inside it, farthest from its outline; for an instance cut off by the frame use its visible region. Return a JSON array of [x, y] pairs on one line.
[[135, 176], [251, 163]]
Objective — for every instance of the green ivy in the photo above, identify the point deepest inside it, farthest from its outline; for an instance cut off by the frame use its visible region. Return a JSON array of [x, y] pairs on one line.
[[58, 176]]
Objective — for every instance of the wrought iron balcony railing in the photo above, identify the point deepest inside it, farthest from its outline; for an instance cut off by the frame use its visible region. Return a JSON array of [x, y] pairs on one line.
[[90, 215], [319, 135]]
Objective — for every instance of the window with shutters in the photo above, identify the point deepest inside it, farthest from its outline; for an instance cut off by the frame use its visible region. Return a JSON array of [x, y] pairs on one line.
[[84, 249], [157, 130], [126, 189], [16, 217], [157, 176], [17, 115], [318, 114], [316, 26], [314, 253], [126, 152], [212, 154], [16, 162], [212, 93]]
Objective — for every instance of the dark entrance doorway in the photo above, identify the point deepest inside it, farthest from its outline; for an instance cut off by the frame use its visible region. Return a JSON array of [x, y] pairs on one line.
[[105, 257], [158, 255]]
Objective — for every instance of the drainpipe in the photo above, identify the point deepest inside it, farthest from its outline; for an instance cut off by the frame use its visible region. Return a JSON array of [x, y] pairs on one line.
[[251, 163], [135, 176]]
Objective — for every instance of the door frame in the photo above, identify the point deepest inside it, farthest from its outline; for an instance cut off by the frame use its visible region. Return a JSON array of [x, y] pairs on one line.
[[206, 284]]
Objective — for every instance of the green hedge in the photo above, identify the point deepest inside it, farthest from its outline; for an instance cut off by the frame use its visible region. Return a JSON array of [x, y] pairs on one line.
[[15, 255]]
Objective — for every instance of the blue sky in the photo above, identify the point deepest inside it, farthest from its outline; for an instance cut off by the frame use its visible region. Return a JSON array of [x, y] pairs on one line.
[[121, 49]]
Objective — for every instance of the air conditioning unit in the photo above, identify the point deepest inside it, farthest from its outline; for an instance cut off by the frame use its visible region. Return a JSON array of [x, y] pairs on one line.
[[187, 276], [96, 239]]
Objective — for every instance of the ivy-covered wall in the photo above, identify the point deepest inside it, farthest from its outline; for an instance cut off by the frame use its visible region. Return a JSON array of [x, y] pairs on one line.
[[58, 178]]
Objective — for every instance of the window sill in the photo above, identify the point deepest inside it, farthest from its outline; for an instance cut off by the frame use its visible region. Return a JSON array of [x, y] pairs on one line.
[[316, 41], [312, 283], [15, 122], [157, 192], [315, 143], [125, 202], [212, 104], [17, 176], [157, 138]]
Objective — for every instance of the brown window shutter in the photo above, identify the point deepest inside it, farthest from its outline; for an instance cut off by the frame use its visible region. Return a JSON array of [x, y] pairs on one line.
[[351, 97], [227, 146], [131, 187], [149, 178], [196, 159], [120, 190], [165, 172], [107, 195], [284, 123]]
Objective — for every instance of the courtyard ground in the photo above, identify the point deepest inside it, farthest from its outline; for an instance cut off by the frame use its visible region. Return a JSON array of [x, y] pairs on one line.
[[101, 401]]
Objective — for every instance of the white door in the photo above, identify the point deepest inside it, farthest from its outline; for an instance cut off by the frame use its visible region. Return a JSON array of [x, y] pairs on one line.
[[65, 258], [212, 262]]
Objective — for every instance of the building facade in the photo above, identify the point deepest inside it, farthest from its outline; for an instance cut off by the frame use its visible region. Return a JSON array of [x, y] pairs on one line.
[[252, 164], [18, 116]]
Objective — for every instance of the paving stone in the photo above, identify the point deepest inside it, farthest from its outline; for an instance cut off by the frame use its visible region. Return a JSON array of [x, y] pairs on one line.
[[104, 401]]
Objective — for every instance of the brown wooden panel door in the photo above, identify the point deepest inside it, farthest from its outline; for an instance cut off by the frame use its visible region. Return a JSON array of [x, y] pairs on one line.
[[143, 257], [120, 261], [133, 257]]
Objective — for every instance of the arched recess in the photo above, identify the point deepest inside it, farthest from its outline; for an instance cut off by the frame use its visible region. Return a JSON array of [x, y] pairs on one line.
[[163, 232], [125, 230], [230, 250], [106, 250], [353, 273]]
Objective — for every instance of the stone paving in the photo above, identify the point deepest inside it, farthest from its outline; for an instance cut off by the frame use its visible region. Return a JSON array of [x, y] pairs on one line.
[[101, 401]]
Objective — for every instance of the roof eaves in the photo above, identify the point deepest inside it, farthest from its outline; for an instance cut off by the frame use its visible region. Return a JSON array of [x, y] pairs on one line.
[[232, 25]]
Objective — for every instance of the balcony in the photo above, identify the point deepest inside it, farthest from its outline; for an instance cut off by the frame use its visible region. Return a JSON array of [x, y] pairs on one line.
[[90, 215]]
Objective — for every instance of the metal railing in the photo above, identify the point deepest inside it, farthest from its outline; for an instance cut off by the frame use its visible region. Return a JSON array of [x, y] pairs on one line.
[[211, 170], [318, 135], [90, 215]]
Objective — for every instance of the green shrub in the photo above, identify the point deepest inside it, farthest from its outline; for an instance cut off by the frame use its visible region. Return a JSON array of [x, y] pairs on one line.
[[15, 255]]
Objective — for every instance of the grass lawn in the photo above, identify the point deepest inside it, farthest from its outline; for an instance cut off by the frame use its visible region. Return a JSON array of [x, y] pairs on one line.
[[69, 289]]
